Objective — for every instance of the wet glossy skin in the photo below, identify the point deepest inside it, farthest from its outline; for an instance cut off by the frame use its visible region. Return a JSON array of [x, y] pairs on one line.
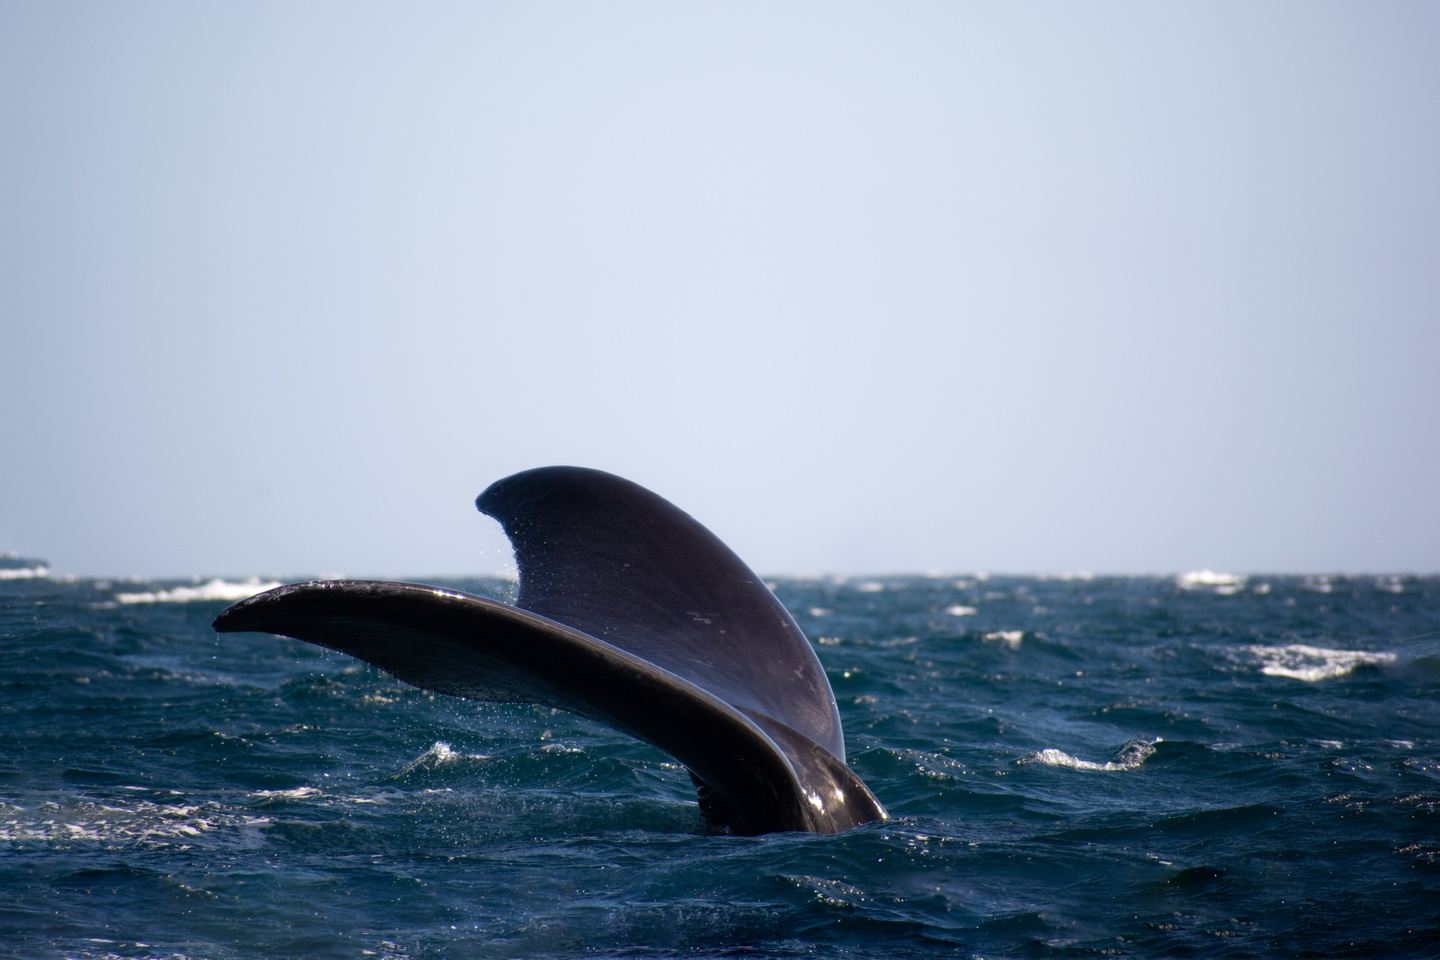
[[630, 612]]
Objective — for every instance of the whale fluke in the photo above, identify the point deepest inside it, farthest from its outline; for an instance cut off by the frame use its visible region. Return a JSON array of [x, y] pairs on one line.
[[629, 612]]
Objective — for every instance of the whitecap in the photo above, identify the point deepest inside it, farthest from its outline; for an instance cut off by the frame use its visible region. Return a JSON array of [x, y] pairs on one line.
[[1129, 757], [24, 573], [216, 589], [440, 754], [1011, 638], [1300, 661], [141, 822], [870, 586], [1223, 584], [960, 610], [297, 793]]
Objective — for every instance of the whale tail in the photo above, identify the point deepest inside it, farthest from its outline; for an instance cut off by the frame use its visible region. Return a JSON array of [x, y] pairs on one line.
[[629, 612]]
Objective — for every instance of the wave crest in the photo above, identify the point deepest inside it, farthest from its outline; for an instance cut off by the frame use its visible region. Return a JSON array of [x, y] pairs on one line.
[[1224, 584], [1131, 756], [15, 567], [1300, 661], [118, 823], [215, 589], [440, 754]]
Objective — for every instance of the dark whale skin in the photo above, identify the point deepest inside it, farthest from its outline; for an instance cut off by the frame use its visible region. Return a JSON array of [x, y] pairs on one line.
[[629, 612]]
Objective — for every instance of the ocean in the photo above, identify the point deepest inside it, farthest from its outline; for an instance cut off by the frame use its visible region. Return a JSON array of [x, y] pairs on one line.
[[1193, 766]]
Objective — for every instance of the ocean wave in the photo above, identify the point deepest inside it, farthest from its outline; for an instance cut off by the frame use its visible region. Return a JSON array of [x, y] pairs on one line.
[[39, 572], [141, 822], [268, 798], [130, 950], [1010, 638], [297, 793], [960, 610], [1223, 584], [216, 589], [831, 893], [440, 754], [933, 766], [1129, 757], [1300, 661]]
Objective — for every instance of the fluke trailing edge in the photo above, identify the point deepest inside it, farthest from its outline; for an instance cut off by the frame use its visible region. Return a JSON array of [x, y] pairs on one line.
[[629, 612]]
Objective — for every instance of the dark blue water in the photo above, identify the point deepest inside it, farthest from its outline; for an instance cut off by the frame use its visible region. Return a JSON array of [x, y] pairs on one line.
[[1124, 767]]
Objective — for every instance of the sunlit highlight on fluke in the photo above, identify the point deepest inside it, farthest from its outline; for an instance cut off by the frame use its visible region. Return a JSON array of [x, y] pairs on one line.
[[629, 612]]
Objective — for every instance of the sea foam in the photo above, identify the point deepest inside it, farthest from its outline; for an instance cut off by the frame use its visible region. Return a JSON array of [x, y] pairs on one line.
[[295, 793], [1010, 638], [142, 822], [1223, 584], [1300, 661], [1129, 757], [216, 589], [38, 572], [440, 754]]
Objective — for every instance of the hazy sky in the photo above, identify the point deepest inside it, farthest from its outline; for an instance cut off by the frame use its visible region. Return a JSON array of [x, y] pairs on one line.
[[864, 287]]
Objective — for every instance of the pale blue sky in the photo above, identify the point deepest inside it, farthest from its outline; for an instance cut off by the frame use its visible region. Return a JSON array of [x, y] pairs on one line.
[[864, 287]]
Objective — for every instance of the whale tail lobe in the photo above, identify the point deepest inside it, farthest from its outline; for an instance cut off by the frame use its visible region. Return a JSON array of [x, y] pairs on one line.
[[629, 612]]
